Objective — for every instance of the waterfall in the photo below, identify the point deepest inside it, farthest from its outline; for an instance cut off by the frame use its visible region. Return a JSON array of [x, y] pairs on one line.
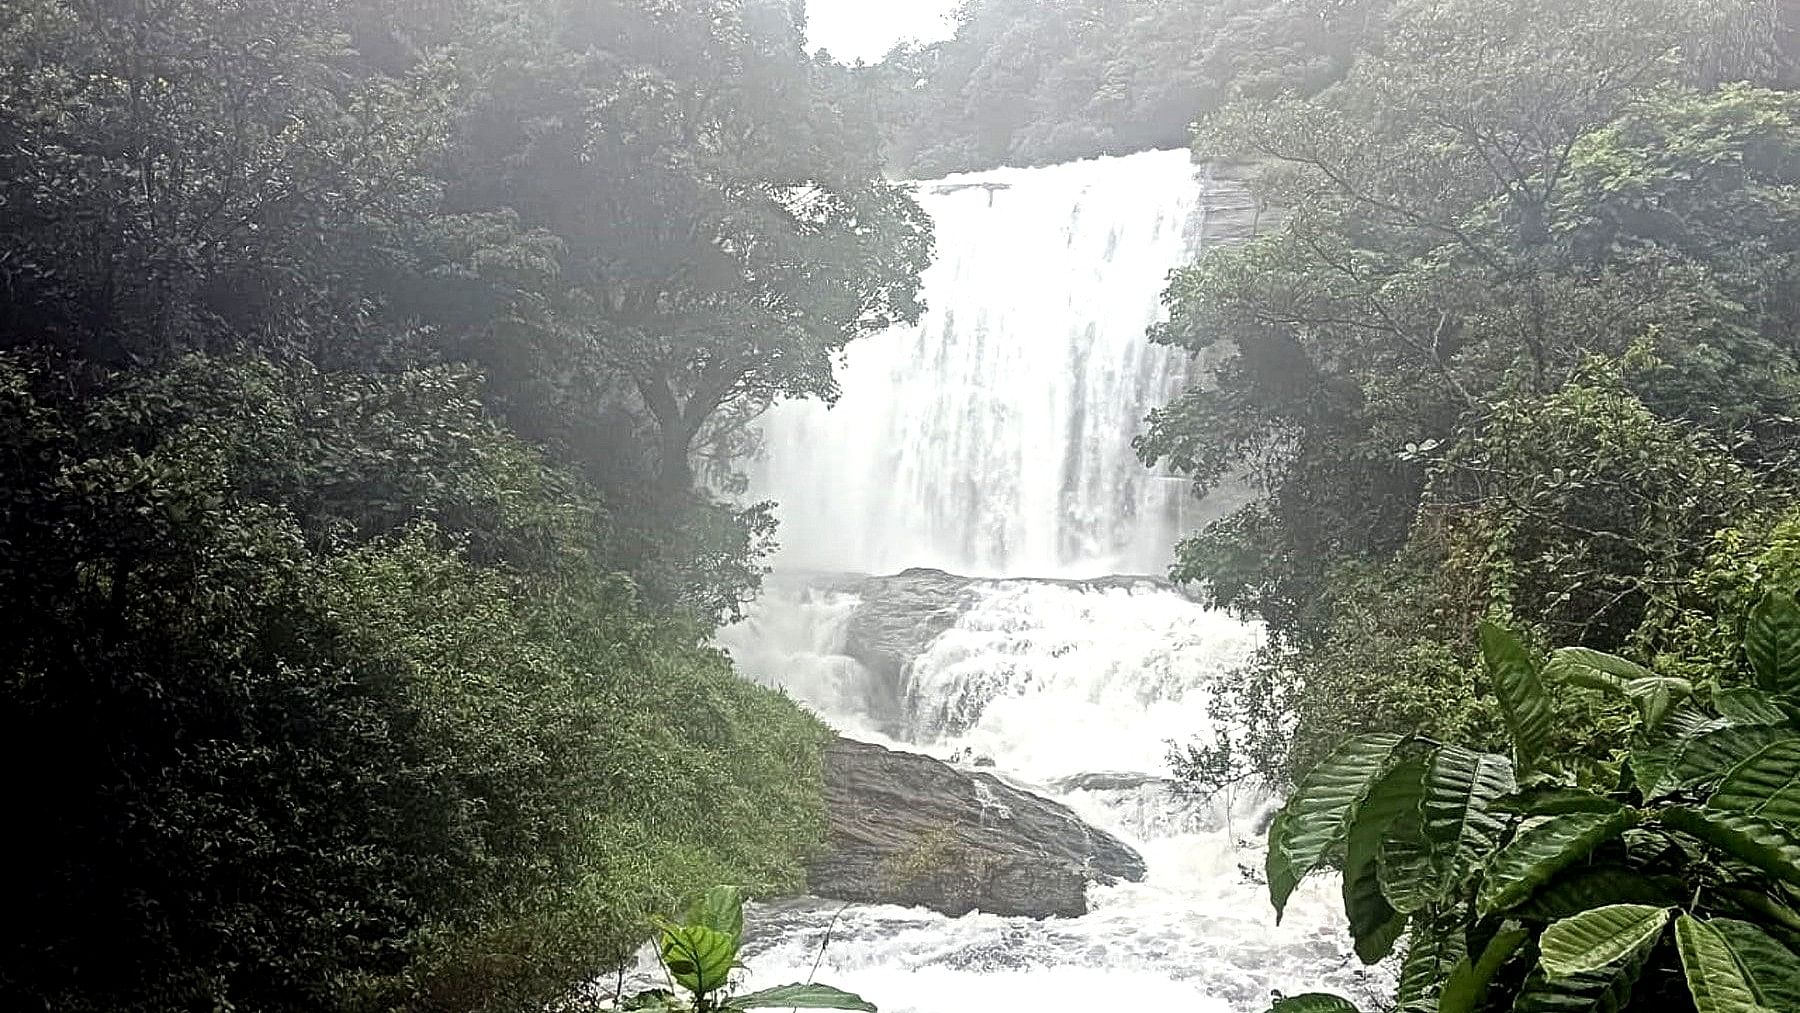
[[994, 438], [994, 441]]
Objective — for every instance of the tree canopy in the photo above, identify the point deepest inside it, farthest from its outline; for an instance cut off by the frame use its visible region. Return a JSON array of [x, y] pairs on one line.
[[372, 382], [1523, 343]]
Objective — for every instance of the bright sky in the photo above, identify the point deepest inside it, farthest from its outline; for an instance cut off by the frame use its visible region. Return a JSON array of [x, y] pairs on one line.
[[867, 29]]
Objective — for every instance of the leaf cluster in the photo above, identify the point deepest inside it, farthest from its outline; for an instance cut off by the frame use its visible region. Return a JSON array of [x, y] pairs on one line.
[[1519, 888]]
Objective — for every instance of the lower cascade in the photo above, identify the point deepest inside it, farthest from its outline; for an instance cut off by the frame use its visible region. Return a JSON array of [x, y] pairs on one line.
[[1071, 692], [1005, 834]]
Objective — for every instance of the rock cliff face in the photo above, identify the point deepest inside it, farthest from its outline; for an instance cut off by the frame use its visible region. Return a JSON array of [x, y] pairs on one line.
[[911, 830]]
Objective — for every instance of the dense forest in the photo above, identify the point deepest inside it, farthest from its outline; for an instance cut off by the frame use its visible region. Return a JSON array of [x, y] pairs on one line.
[[1519, 368], [376, 383], [1030, 82], [365, 370]]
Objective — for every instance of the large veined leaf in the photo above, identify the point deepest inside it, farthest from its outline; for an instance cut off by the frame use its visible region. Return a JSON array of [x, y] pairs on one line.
[[1469, 980], [1411, 872], [1514, 679], [1460, 788], [1766, 784], [1713, 975], [700, 959], [1374, 923], [1768, 846], [1599, 886], [720, 909], [1437, 945], [802, 997], [1592, 940], [1316, 819], [1745, 705], [1700, 758], [1605, 990], [1772, 969], [1313, 1002], [1543, 848], [1772, 642], [1652, 694]]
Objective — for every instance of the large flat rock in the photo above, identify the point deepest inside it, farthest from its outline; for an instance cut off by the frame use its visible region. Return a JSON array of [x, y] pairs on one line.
[[911, 830]]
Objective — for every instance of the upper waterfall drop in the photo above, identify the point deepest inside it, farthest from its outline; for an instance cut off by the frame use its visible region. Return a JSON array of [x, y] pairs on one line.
[[995, 438]]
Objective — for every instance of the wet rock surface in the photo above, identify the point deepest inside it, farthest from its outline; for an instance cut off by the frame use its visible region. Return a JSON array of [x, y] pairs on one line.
[[911, 830], [901, 614]]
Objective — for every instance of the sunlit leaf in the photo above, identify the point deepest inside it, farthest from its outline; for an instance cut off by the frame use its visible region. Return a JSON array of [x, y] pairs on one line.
[[1717, 982], [1596, 938]]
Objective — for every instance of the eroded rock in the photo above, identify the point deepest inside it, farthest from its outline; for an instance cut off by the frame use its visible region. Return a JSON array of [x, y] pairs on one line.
[[911, 830]]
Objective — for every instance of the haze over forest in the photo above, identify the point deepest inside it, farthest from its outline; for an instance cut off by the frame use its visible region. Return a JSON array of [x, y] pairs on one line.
[[716, 505]]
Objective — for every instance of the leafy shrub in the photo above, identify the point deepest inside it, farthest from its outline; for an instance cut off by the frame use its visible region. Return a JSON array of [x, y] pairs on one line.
[[336, 708], [1527, 883], [699, 954]]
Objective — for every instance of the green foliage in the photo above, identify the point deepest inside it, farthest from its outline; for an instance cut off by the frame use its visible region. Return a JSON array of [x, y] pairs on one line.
[[1714, 975], [1311, 829], [348, 634], [1522, 699], [699, 953], [1024, 82], [1519, 349], [358, 363], [1560, 896]]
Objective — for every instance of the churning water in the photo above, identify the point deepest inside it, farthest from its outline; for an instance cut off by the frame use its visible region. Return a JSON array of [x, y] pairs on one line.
[[994, 440]]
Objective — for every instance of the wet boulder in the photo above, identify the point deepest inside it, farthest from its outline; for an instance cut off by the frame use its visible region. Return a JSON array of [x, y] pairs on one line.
[[911, 830]]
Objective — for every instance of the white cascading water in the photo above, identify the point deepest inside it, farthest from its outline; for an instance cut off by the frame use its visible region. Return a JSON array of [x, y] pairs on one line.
[[995, 438], [995, 441]]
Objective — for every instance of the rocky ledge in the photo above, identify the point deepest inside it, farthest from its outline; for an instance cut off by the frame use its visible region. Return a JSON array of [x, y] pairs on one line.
[[911, 830], [901, 614]]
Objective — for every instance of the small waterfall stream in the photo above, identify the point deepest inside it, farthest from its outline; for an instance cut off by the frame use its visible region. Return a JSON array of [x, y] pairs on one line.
[[994, 441]]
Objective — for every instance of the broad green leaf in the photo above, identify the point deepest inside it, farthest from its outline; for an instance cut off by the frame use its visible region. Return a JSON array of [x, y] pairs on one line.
[[1513, 676], [1316, 819], [1772, 642], [1652, 694], [700, 959], [1278, 869], [1700, 758], [1594, 939], [1766, 784], [1772, 969], [1578, 890], [1411, 873], [1468, 982], [1374, 923], [802, 997], [1437, 944], [720, 909], [1768, 846], [1713, 975], [1460, 786], [1542, 849], [1313, 1002], [1606, 990], [1746, 705]]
